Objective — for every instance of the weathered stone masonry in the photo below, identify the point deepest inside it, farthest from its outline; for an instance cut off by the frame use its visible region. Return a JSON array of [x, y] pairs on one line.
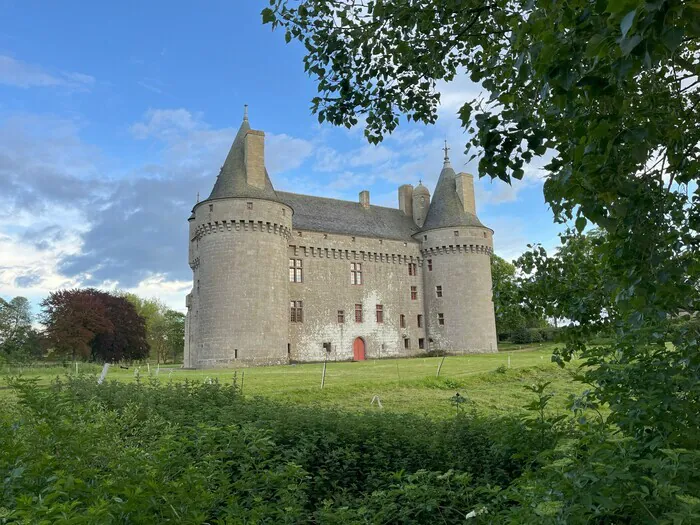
[[275, 274]]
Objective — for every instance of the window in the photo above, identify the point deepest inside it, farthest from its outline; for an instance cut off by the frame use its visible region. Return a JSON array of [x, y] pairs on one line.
[[430, 265], [438, 291], [355, 273], [414, 293], [289, 348], [296, 312], [425, 237], [198, 286], [284, 212], [485, 235], [341, 316], [441, 319], [211, 207], [402, 321], [327, 347], [380, 313], [420, 321], [407, 343], [456, 233], [295, 271], [412, 269], [249, 205], [235, 353], [358, 313], [421, 343]]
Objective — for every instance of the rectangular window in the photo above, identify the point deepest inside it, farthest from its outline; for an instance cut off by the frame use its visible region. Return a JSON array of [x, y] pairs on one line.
[[295, 271], [355, 273], [421, 343], [249, 205], [438, 291], [412, 269], [407, 343], [441, 319], [430, 265], [341, 316], [456, 233], [327, 347], [358, 313], [420, 321], [296, 314], [414, 293], [235, 353], [402, 321], [211, 207], [380, 313]]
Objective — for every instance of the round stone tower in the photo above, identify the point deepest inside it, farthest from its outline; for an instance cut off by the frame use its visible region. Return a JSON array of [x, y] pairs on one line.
[[237, 310], [456, 249]]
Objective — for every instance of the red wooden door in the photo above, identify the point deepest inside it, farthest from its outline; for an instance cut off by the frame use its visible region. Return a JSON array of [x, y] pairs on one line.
[[358, 350]]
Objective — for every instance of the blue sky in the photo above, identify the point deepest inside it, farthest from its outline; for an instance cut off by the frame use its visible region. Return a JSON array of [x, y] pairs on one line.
[[113, 115]]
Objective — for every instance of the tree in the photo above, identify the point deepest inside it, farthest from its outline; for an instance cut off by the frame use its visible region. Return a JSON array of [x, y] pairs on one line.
[[164, 327], [95, 325], [610, 90], [18, 340], [512, 310]]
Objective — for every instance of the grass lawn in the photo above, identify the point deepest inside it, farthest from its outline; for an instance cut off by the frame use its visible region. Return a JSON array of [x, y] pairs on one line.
[[402, 385]]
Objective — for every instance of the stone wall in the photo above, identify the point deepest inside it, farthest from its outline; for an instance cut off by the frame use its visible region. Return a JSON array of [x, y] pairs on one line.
[[461, 264], [326, 288], [238, 307]]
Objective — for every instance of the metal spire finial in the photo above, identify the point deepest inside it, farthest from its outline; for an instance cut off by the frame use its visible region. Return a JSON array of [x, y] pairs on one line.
[[447, 158], [197, 196], [245, 112]]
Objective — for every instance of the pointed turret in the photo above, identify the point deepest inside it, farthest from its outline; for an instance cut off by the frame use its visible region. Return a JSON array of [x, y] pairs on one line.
[[451, 204], [243, 173]]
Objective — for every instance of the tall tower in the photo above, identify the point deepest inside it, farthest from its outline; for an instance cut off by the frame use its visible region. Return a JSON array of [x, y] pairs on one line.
[[456, 249], [237, 310]]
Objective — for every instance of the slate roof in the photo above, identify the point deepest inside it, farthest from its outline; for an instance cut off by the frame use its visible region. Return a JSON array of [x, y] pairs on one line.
[[232, 181], [446, 210], [348, 218]]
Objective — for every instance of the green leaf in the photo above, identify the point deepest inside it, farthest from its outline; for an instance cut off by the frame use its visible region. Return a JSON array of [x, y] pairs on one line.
[[628, 44], [581, 224], [673, 38], [626, 23], [268, 15]]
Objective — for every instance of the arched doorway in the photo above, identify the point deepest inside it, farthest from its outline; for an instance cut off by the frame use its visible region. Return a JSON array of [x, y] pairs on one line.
[[358, 349]]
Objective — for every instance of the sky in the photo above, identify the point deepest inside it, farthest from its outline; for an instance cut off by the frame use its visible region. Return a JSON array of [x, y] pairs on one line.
[[114, 116]]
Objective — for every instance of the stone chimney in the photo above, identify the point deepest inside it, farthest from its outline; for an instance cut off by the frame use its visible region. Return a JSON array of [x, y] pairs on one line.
[[406, 199], [465, 191], [254, 156], [364, 199]]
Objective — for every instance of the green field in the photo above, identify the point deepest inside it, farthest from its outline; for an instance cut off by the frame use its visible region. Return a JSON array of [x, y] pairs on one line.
[[402, 385]]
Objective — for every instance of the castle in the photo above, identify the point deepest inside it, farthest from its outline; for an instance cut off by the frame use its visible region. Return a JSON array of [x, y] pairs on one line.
[[281, 277]]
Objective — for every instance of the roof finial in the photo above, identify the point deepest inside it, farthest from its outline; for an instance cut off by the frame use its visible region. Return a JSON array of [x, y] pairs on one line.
[[447, 158], [245, 112], [197, 196], [420, 182]]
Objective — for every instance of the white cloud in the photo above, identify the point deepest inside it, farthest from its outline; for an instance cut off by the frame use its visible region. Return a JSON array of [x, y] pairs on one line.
[[23, 75], [166, 124]]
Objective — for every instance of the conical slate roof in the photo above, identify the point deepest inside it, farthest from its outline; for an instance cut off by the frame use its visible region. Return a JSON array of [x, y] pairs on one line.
[[232, 180], [446, 209]]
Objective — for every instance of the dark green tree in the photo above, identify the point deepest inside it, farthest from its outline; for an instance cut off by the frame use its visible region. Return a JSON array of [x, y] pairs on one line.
[[610, 89]]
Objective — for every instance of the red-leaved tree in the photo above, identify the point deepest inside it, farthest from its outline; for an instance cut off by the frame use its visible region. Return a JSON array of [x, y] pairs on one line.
[[95, 325]]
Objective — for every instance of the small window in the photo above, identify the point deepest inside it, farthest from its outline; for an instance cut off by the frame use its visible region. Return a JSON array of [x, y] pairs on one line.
[[358, 313], [485, 235], [284, 211], [421, 343], [296, 313], [412, 269], [211, 207], [295, 271], [380, 313], [198, 286], [425, 237], [402, 321], [430, 265], [299, 234], [289, 348], [235, 353], [407, 343], [355, 273], [341, 316], [414, 293], [327, 347], [456, 233], [420, 321], [441, 319], [438, 291], [249, 205]]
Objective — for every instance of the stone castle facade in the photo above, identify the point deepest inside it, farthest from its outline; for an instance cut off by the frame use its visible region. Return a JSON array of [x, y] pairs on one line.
[[281, 277]]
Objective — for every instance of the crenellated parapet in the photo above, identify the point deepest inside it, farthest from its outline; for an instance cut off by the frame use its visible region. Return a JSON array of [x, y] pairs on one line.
[[241, 225], [355, 255], [457, 248]]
